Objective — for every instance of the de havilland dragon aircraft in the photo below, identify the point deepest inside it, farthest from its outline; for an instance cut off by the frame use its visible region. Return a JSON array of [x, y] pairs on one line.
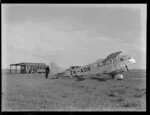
[[114, 65]]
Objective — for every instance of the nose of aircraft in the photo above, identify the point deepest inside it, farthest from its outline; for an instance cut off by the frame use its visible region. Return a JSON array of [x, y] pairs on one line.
[[132, 60]]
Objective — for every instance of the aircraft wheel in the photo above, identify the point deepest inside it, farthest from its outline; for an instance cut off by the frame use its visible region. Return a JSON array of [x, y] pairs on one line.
[[118, 76]]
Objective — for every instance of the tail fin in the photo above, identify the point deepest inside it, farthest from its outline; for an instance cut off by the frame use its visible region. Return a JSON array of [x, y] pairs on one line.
[[54, 68]]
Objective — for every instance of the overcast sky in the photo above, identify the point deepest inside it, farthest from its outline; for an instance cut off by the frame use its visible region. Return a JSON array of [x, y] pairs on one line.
[[72, 34]]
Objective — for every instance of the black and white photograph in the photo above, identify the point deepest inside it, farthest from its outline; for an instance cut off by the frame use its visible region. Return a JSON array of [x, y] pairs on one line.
[[73, 57]]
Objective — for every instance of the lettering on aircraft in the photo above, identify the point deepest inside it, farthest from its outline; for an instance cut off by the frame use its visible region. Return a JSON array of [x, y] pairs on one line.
[[71, 72], [82, 70], [85, 69]]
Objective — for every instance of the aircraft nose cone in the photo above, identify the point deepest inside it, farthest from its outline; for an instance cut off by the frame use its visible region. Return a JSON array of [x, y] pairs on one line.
[[132, 60]]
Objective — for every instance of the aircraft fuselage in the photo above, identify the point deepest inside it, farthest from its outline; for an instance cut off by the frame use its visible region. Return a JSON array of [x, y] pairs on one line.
[[117, 66], [113, 64]]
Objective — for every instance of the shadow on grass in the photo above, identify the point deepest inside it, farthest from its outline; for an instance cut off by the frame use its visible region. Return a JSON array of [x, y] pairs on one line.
[[112, 94], [119, 100], [99, 79], [80, 79]]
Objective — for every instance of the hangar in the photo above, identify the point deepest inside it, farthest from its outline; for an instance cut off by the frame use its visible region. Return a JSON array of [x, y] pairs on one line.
[[29, 67]]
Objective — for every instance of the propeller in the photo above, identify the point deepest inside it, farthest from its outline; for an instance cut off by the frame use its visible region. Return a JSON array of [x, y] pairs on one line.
[[127, 67]]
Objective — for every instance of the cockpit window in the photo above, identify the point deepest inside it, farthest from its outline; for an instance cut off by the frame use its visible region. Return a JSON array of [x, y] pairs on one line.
[[96, 64], [121, 59]]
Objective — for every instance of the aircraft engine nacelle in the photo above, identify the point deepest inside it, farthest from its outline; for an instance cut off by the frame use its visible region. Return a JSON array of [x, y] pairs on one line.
[[118, 76]]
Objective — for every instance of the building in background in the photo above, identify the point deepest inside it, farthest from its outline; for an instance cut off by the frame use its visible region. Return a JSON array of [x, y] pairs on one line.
[[29, 67]]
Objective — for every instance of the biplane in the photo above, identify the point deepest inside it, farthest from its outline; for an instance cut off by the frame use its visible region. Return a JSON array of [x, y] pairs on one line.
[[114, 65]]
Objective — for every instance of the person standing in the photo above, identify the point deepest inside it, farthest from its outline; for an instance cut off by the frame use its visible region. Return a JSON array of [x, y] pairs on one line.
[[47, 70]]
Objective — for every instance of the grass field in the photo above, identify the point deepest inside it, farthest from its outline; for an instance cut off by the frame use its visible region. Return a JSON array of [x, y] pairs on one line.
[[32, 92]]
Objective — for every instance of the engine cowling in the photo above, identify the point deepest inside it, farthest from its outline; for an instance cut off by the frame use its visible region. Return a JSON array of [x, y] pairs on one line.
[[118, 76]]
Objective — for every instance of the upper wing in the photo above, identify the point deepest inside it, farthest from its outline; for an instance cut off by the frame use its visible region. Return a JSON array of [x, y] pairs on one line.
[[111, 56]]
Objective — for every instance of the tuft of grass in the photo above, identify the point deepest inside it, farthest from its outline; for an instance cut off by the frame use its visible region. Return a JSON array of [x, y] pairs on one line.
[[140, 92], [138, 95], [129, 104]]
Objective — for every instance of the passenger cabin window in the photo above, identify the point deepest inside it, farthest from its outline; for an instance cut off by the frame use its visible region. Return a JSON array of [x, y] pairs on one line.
[[100, 64], [121, 59], [96, 64]]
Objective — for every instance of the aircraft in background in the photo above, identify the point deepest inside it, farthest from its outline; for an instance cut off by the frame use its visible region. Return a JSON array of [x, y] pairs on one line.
[[114, 65]]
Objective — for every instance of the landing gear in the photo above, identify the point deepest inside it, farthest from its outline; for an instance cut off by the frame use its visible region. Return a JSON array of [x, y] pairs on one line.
[[118, 76]]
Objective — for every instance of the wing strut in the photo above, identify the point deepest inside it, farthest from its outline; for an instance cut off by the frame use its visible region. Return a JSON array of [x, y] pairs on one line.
[[127, 67]]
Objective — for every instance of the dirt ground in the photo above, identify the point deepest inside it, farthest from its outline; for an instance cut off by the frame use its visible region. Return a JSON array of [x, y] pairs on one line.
[[32, 92]]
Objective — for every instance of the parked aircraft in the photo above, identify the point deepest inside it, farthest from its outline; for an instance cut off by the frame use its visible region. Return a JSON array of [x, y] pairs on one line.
[[114, 65]]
